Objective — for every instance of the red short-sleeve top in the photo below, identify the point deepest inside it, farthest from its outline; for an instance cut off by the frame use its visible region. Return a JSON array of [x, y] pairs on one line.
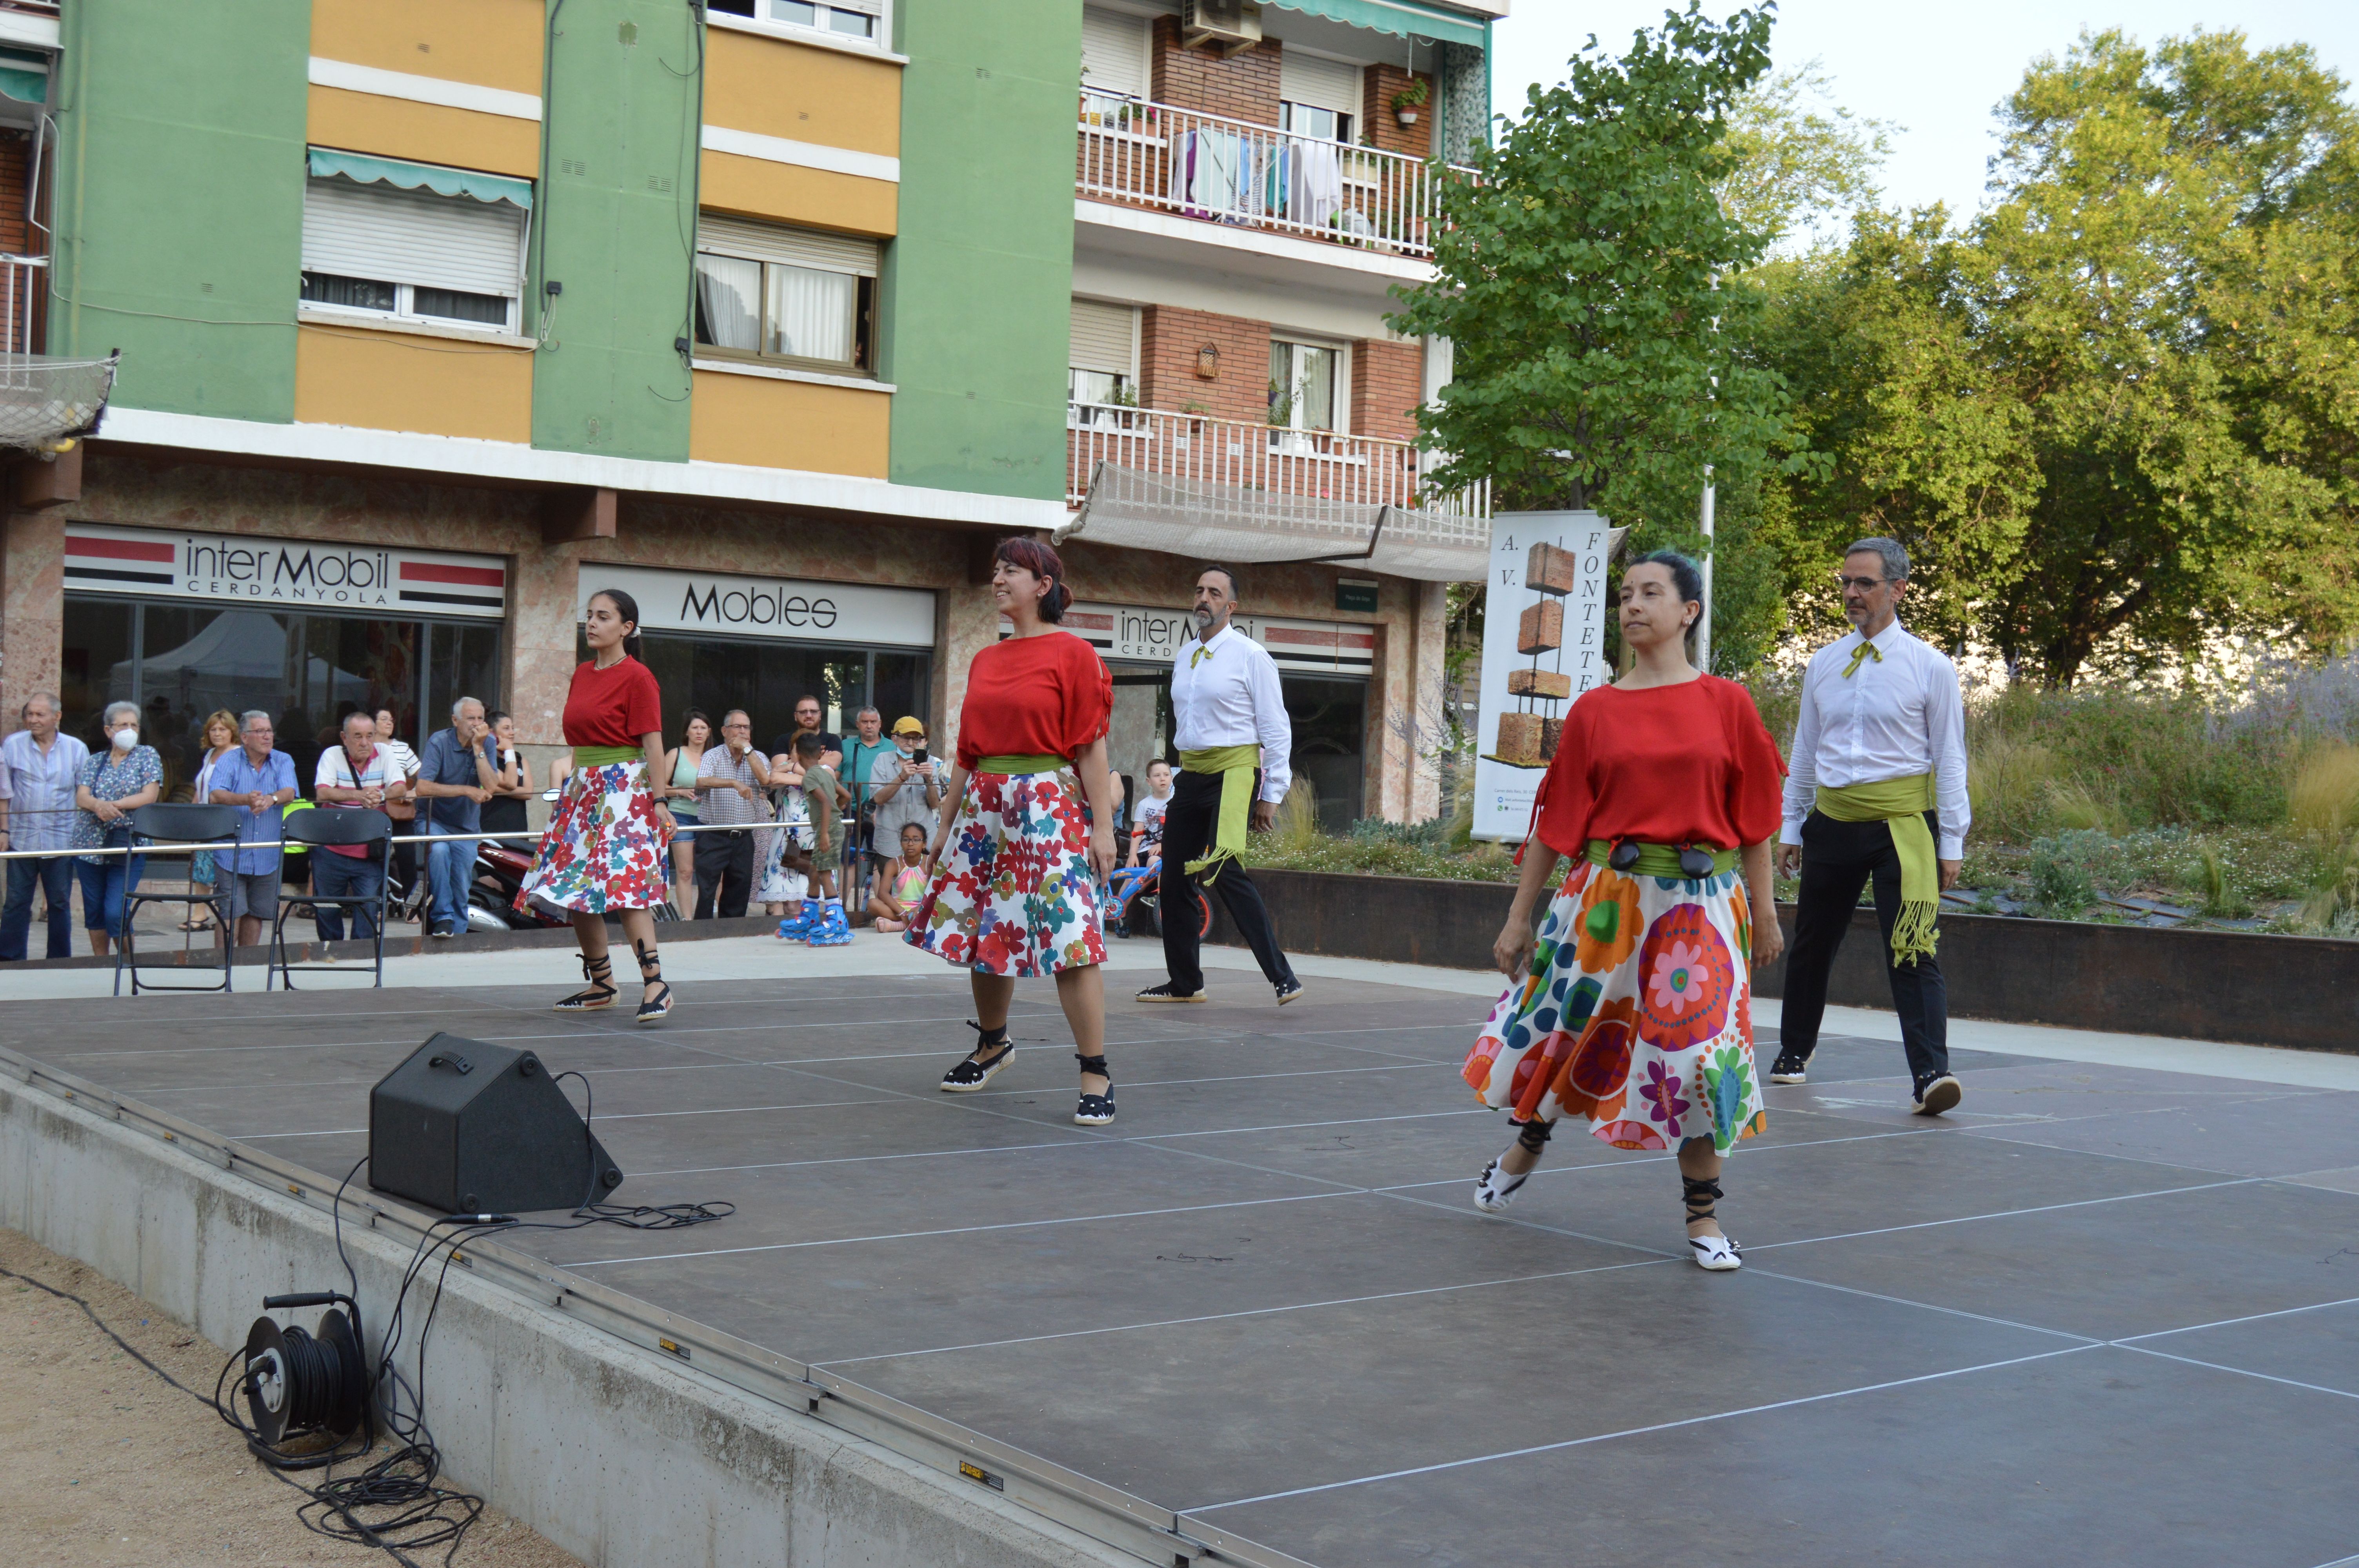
[[613, 707], [1668, 764], [1044, 696]]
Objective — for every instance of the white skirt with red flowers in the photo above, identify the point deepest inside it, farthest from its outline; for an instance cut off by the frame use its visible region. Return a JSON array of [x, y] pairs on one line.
[[606, 845], [1013, 895], [1638, 1015]]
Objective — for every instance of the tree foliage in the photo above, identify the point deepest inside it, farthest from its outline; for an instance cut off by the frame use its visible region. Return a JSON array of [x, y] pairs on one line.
[[1799, 161]]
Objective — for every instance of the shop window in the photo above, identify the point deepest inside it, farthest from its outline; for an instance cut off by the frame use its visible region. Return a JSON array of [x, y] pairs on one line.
[[855, 20], [766, 679], [1329, 721], [795, 296], [375, 248]]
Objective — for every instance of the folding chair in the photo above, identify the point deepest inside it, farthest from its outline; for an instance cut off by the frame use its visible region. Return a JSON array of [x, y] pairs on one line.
[[209, 826], [349, 827]]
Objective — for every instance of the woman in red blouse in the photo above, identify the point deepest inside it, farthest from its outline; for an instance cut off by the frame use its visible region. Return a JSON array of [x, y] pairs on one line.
[[604, 848], [1013, 879], [1634, 1010]]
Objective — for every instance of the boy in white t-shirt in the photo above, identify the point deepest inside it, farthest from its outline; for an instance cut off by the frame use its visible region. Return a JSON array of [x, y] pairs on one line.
[[1147, 835]]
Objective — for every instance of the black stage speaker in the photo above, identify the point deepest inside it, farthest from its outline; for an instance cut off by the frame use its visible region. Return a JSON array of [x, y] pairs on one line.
[[463, 1127]]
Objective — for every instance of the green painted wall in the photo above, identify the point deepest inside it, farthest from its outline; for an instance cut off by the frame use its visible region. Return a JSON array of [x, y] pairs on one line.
[[616, 222], [179, 202], [977, 292]]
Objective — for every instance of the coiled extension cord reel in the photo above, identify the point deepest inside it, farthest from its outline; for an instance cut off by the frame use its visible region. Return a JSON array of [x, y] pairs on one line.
[[301, 1385]]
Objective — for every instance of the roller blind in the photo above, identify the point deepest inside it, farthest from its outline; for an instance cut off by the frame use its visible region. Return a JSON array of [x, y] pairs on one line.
[[794, 247], [1321, 84], [412, 236], [1113, 52], [1102, 335]]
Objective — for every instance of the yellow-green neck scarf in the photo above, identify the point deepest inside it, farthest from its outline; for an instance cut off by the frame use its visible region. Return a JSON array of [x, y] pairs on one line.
[[1867, 650], [1900, 804], [1236, 765]]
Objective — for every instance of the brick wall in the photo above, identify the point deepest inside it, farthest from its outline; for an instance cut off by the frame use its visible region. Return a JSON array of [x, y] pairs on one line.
[[1388, 383], [1378, 83], [18, 237], [1169, 340], [1243, 87]]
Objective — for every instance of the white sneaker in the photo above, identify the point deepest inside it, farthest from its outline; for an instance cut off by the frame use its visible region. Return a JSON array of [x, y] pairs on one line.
[[1496, 1189], [1717, 1253]]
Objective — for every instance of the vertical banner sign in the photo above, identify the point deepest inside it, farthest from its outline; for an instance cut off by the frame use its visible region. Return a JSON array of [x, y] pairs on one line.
[[1543, 645]]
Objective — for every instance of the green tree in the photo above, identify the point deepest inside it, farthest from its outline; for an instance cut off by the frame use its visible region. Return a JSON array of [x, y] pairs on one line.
[[1591, 283], [1798, 160]]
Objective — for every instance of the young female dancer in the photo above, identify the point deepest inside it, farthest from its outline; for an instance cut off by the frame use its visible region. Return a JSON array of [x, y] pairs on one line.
[[607, 833], [1014, 870], [1635, 1010]]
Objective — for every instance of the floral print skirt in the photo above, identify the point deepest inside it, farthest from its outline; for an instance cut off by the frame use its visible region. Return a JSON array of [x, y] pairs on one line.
[[605, 848], [1638, 1015], [1013, 895]]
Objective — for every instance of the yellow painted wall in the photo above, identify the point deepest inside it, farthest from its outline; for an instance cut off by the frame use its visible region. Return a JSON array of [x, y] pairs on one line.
[[425, 132], [789, 193], [393, 381], [492, 43], [788, 424], [802, 92]]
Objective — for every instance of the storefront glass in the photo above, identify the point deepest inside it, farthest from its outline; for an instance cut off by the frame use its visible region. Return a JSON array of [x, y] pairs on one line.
[[766, 679], [181, 661]]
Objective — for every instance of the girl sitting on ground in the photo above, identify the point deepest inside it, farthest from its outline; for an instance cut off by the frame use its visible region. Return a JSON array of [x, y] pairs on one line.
[[891, 899]]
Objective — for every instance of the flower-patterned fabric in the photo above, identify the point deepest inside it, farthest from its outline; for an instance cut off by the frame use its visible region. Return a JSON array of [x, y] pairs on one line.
[[1013, 895], [1636, 1017], [605, 848]]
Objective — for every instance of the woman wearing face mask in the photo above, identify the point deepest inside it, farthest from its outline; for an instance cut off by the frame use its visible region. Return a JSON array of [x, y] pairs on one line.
[[220, 741], [1634, 1012], [114, 783]]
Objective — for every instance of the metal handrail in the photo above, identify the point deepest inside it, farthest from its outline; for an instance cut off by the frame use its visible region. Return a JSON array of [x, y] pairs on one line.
[[1324, 465], [230, 846], [1235, 172]]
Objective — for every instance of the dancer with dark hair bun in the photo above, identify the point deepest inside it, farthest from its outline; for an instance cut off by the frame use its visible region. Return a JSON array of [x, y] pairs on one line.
[[606, 840], [1634, 1007], [1013, 877]]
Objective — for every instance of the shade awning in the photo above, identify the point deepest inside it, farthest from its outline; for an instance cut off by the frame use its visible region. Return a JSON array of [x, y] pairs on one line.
[[25, 86], [366, 168], [1404, 18], [1208, 521]]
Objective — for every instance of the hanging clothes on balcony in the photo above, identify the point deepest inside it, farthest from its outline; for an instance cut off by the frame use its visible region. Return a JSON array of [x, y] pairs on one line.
[[1211, 168], [1315, 189]]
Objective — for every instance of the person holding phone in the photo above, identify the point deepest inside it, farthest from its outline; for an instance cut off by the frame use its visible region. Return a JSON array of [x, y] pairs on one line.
[[905, 783]]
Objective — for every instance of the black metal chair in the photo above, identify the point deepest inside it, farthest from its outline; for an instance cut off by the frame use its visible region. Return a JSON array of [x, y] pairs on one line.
[[343, 827], [212, 827]]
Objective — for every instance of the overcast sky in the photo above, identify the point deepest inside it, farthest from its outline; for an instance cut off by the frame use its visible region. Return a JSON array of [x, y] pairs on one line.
[[1936, 69]]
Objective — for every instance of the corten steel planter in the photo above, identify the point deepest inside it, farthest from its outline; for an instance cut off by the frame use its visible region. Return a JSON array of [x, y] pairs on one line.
[[2298, 991]]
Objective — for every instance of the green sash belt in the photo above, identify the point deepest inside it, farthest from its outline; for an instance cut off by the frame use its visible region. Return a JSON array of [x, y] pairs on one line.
[[1900, 804], [1660, 860], [1236, 765], [1011, 764], [605, 756]]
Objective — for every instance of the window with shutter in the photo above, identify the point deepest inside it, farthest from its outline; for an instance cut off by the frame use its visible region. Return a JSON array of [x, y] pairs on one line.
[[1114, 53], [1318, 97], [1103, 368], [411, 253], [797, 295]]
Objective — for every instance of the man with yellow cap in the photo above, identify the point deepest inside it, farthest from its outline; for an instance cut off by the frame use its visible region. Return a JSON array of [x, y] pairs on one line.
[[1877, 792], [905, 782]]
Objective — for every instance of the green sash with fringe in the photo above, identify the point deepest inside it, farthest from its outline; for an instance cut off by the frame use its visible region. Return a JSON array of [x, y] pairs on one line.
[[1900, 804], [1236, 765]]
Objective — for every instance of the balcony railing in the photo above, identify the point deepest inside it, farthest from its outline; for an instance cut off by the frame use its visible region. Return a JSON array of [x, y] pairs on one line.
[[23, 280], [1233, 171], [1313, 465]]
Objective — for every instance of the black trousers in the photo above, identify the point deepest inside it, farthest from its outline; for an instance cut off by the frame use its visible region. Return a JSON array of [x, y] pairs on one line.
[[725, 869], [1839, 859], [1187, 826]]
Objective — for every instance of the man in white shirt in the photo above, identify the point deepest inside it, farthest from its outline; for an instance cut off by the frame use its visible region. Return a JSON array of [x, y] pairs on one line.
[[1228, 713], [362, 772], [37, 770], [1877, 792]]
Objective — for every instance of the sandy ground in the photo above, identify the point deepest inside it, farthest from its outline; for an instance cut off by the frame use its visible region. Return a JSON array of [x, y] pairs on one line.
[[104, 1465]]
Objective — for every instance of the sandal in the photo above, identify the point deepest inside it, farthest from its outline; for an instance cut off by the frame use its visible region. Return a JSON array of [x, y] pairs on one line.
[[651, 973], [600, 993], [992, 1050], [1717, 1253], [1094, 1111]]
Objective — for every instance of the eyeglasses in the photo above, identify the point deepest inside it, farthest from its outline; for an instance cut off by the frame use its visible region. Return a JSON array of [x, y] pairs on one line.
[[1863, 584]]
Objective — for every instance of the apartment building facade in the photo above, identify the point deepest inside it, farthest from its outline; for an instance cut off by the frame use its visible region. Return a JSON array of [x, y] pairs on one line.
[[434, 319]]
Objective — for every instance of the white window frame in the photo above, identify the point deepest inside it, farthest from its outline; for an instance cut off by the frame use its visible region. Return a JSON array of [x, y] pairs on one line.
[[711, 240], [405, 312], [1339, 394], [880, 41]]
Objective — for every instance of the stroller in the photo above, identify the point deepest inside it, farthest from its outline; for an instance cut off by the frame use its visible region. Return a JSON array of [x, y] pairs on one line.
[[1133, 895]]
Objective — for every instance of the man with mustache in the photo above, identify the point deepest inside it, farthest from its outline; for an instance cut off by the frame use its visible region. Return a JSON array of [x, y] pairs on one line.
[[1229, 721]]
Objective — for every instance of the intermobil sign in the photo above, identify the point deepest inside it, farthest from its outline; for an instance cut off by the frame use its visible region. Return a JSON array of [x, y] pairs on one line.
[[779, 609], [151, 563], [1138, 634]]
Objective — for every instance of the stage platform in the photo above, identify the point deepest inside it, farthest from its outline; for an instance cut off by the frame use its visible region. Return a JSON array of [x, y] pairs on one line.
[[2105, 1314]]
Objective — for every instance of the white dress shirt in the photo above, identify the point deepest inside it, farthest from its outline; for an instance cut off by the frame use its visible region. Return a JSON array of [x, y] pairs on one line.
[[1892, 718], [1231, 696]]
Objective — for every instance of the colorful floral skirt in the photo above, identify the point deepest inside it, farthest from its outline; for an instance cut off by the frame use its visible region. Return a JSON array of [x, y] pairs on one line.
[[1013, 895], [1636, 1017], [605, 846]]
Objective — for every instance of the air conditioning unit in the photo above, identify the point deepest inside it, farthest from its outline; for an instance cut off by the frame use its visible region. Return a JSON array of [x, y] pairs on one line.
[[1227, 25]]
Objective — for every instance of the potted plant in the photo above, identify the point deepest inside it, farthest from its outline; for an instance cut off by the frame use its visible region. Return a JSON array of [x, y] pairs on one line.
[[1409, 100]]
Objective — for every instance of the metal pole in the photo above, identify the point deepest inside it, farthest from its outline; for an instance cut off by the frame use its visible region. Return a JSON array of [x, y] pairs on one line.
[[1704, 621]]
